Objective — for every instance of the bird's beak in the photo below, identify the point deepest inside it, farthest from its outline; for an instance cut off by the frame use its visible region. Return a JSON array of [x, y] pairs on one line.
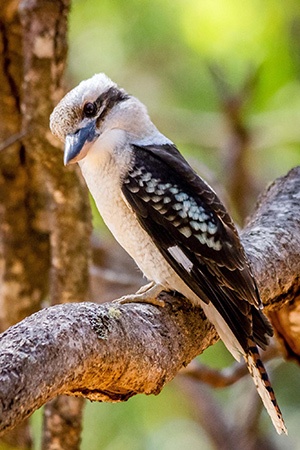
[[78, 143]]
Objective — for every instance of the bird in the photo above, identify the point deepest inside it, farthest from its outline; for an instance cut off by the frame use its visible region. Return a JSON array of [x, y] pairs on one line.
[[167, 218]]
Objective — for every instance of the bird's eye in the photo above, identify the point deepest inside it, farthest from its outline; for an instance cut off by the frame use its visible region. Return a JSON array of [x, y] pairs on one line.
[[89, 109]]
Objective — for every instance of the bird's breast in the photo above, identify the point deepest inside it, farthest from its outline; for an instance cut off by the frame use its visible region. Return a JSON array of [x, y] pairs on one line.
[[103, 181]]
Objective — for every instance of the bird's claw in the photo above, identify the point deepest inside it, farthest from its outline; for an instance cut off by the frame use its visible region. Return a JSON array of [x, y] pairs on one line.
[[146, 294]]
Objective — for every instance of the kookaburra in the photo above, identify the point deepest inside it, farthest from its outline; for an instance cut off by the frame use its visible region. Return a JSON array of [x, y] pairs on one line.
[[165, 216]]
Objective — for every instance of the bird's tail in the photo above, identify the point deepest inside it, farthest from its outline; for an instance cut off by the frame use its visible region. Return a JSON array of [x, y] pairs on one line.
[[263, 386]]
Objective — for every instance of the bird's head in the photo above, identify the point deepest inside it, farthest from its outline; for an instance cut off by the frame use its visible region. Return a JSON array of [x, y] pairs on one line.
[[80, 117], [95, 106]]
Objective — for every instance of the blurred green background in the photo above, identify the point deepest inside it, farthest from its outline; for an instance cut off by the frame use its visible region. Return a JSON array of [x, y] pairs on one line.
[[216, 76]]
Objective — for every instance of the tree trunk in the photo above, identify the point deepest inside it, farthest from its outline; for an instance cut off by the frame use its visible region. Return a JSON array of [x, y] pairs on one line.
[[44, 209]]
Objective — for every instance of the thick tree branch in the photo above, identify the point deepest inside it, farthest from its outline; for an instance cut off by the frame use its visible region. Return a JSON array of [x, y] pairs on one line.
[[110, 352], [272, 241], [104, 352]]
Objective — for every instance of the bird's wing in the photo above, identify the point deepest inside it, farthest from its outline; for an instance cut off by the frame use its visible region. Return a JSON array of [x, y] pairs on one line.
[[195, 234]]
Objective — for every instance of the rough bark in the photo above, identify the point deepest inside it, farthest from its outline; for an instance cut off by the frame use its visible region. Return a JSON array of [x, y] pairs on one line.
[[272, 240], [110, 352], [44, 27], [62, 423], [24, 246], [103, 352], [45, 46]]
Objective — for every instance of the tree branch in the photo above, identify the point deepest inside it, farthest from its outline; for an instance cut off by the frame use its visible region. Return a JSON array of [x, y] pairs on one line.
[[272, 241], [111, 352], [103, 352]]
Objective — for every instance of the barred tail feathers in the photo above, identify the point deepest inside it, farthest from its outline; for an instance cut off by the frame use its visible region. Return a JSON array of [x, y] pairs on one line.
[[254, 364], [263, 386]]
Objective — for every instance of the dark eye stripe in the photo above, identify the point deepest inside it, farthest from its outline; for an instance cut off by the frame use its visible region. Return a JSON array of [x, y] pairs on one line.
[[107, 100]]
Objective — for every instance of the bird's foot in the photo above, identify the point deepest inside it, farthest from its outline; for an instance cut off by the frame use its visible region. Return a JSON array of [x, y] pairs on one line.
[[146, 294]]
